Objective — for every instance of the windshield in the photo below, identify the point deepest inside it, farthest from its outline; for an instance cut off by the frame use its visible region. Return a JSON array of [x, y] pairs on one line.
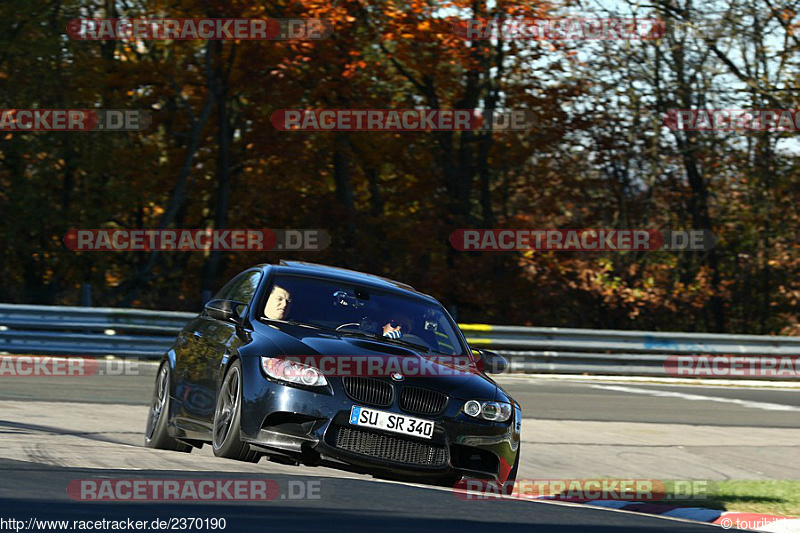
[[358, 310]]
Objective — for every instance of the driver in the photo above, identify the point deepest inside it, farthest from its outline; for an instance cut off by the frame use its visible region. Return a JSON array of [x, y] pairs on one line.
[[278, 304]]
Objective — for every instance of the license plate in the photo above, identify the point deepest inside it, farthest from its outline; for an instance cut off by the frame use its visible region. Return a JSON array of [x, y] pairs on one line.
[[407, 425]]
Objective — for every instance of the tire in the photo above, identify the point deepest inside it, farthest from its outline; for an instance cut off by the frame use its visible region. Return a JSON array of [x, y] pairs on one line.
[[155, 433], [227, 419]]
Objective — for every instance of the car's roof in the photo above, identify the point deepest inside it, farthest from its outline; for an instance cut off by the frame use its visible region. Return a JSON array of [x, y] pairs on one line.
[[341, 274]]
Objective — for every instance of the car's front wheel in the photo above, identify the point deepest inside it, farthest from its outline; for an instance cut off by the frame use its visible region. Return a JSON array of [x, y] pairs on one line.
[[155, 434], [227, 419]]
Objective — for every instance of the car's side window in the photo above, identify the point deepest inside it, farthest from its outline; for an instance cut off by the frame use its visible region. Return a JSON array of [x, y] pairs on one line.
[[240, 289]]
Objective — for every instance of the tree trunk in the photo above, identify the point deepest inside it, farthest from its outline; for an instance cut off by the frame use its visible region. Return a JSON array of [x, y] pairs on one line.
[[211, 267]]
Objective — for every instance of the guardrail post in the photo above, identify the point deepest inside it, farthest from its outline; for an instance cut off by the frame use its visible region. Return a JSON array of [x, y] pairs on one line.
[[86, 295]]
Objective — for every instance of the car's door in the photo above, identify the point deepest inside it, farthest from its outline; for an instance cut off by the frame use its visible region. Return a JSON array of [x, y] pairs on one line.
[[198, 357], [221, 336], [189, 398]]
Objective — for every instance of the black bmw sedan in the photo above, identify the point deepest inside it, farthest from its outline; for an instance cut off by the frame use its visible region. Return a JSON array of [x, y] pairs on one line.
[[305, 363]]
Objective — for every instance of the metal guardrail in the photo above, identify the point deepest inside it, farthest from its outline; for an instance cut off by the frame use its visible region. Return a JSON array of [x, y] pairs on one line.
[[58, 330], [625, 353]]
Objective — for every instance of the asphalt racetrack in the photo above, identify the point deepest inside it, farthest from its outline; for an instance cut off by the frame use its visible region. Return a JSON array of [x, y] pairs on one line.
[[56, 430]]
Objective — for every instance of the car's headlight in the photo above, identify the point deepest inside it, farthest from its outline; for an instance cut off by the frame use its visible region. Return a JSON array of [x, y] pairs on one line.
[[492, 411], [293, 372]]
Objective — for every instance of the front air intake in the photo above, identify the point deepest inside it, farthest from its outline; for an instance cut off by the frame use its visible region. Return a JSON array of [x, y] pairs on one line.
[[370, 391]]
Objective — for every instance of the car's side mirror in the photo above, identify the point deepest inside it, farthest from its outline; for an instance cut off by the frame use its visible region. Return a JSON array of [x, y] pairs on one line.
[[491, 363], [226, 310]]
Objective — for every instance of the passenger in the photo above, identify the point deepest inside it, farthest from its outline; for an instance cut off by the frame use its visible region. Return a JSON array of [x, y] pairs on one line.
[[396, 327]]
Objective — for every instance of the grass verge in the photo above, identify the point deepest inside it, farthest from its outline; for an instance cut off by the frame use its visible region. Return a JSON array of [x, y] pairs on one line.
[[778, 497]]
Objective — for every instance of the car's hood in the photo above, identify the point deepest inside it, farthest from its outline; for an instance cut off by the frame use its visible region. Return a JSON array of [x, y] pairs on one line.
[[418, 369]]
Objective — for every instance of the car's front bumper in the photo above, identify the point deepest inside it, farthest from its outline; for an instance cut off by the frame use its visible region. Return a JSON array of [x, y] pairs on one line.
[[306, 425]]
